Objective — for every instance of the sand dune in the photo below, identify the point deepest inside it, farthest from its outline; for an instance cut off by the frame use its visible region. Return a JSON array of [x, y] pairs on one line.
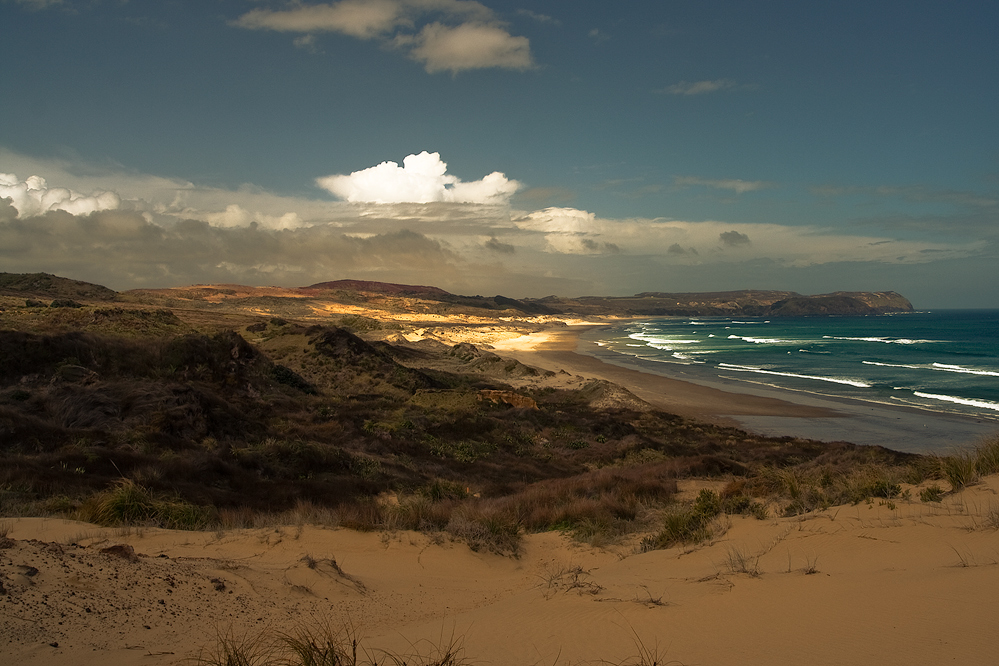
[[864, 584]]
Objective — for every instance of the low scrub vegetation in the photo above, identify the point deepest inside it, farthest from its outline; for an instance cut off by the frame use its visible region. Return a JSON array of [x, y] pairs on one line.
[[169, 426]]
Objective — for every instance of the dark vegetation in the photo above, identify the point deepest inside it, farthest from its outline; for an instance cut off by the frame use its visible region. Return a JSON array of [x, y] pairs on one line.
[[123, 415]]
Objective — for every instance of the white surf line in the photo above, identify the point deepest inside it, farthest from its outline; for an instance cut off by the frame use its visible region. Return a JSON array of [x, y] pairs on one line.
[[743, 368], [961, 401], [942, 367]]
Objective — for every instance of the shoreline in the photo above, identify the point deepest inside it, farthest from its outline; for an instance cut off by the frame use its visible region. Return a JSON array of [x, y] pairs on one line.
[[763, 410]]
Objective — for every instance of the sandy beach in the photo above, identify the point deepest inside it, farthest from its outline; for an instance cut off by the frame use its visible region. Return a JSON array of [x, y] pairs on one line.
[[759, 409], [877, 583]]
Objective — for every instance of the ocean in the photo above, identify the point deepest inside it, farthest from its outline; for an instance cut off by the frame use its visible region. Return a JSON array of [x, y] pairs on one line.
[[942, 361]]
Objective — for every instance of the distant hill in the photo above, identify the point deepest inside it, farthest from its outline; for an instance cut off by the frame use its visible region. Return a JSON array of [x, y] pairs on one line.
[[378, 288], [747, 303], [432, 294], [44, 285], [388, 296]]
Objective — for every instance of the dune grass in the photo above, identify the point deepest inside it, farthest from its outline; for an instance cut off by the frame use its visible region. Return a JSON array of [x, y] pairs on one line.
[[128, 503], [321, 641], [967, 467]]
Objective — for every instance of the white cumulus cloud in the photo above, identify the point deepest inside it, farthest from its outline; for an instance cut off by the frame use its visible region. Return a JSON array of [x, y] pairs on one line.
[[34, 197], [235, 216], [422, 178]]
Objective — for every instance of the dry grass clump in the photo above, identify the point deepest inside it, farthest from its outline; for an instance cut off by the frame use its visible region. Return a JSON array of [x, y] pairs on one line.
[[741, 561], [128, 503], [246, 649], [322, 642], [593, 506], [966, 468], [686, 524], [802, 489]]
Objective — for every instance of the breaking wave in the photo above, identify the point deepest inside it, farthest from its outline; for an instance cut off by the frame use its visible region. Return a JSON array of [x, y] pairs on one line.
[[835, 380]]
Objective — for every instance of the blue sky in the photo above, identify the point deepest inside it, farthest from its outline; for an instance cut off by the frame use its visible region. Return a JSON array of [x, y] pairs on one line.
[[590, 147]]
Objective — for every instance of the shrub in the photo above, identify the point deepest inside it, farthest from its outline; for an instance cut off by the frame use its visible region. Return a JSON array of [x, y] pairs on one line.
[[128, 503], [442, 489], [931, 494], [683, 525]]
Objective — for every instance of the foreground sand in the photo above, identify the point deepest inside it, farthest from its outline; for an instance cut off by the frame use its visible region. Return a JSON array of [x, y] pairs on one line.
[[914, 584]]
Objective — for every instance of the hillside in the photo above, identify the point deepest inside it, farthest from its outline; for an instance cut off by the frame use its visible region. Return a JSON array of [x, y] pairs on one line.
[[219, 403]]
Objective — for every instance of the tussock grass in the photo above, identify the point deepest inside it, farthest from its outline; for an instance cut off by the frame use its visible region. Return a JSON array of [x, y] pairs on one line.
[[967, 467], [987, 456], [801, 489], [960, 469], [128, 503], [742, 561], [686, 524], [244, 649], [323, 642]]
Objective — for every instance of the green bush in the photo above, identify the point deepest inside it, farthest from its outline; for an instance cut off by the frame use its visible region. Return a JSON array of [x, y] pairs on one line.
[[128, 503], [686, 524], [931, 494]]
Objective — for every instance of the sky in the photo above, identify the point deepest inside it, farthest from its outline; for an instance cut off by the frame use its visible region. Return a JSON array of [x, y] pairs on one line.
[[505, 147]]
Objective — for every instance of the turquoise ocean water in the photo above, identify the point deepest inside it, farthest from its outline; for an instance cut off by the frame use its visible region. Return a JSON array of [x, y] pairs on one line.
[[941, 361]]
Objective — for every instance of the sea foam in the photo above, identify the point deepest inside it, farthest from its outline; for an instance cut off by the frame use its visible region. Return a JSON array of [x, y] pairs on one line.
[[835, 380], [983, 404]]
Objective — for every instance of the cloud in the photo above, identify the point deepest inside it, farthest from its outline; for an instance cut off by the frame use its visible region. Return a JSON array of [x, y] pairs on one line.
[[494, 245], [468, 46], [363, 19], [444, 35], [698, 87], [542, 196], [737, 186], [124, 249], [540, 18], [677, 249], [598, 36], [235, 215], [917, 193], [733, 239], [34, 197], [39, 4], [170, 232], [568, 231], [422, 178]]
